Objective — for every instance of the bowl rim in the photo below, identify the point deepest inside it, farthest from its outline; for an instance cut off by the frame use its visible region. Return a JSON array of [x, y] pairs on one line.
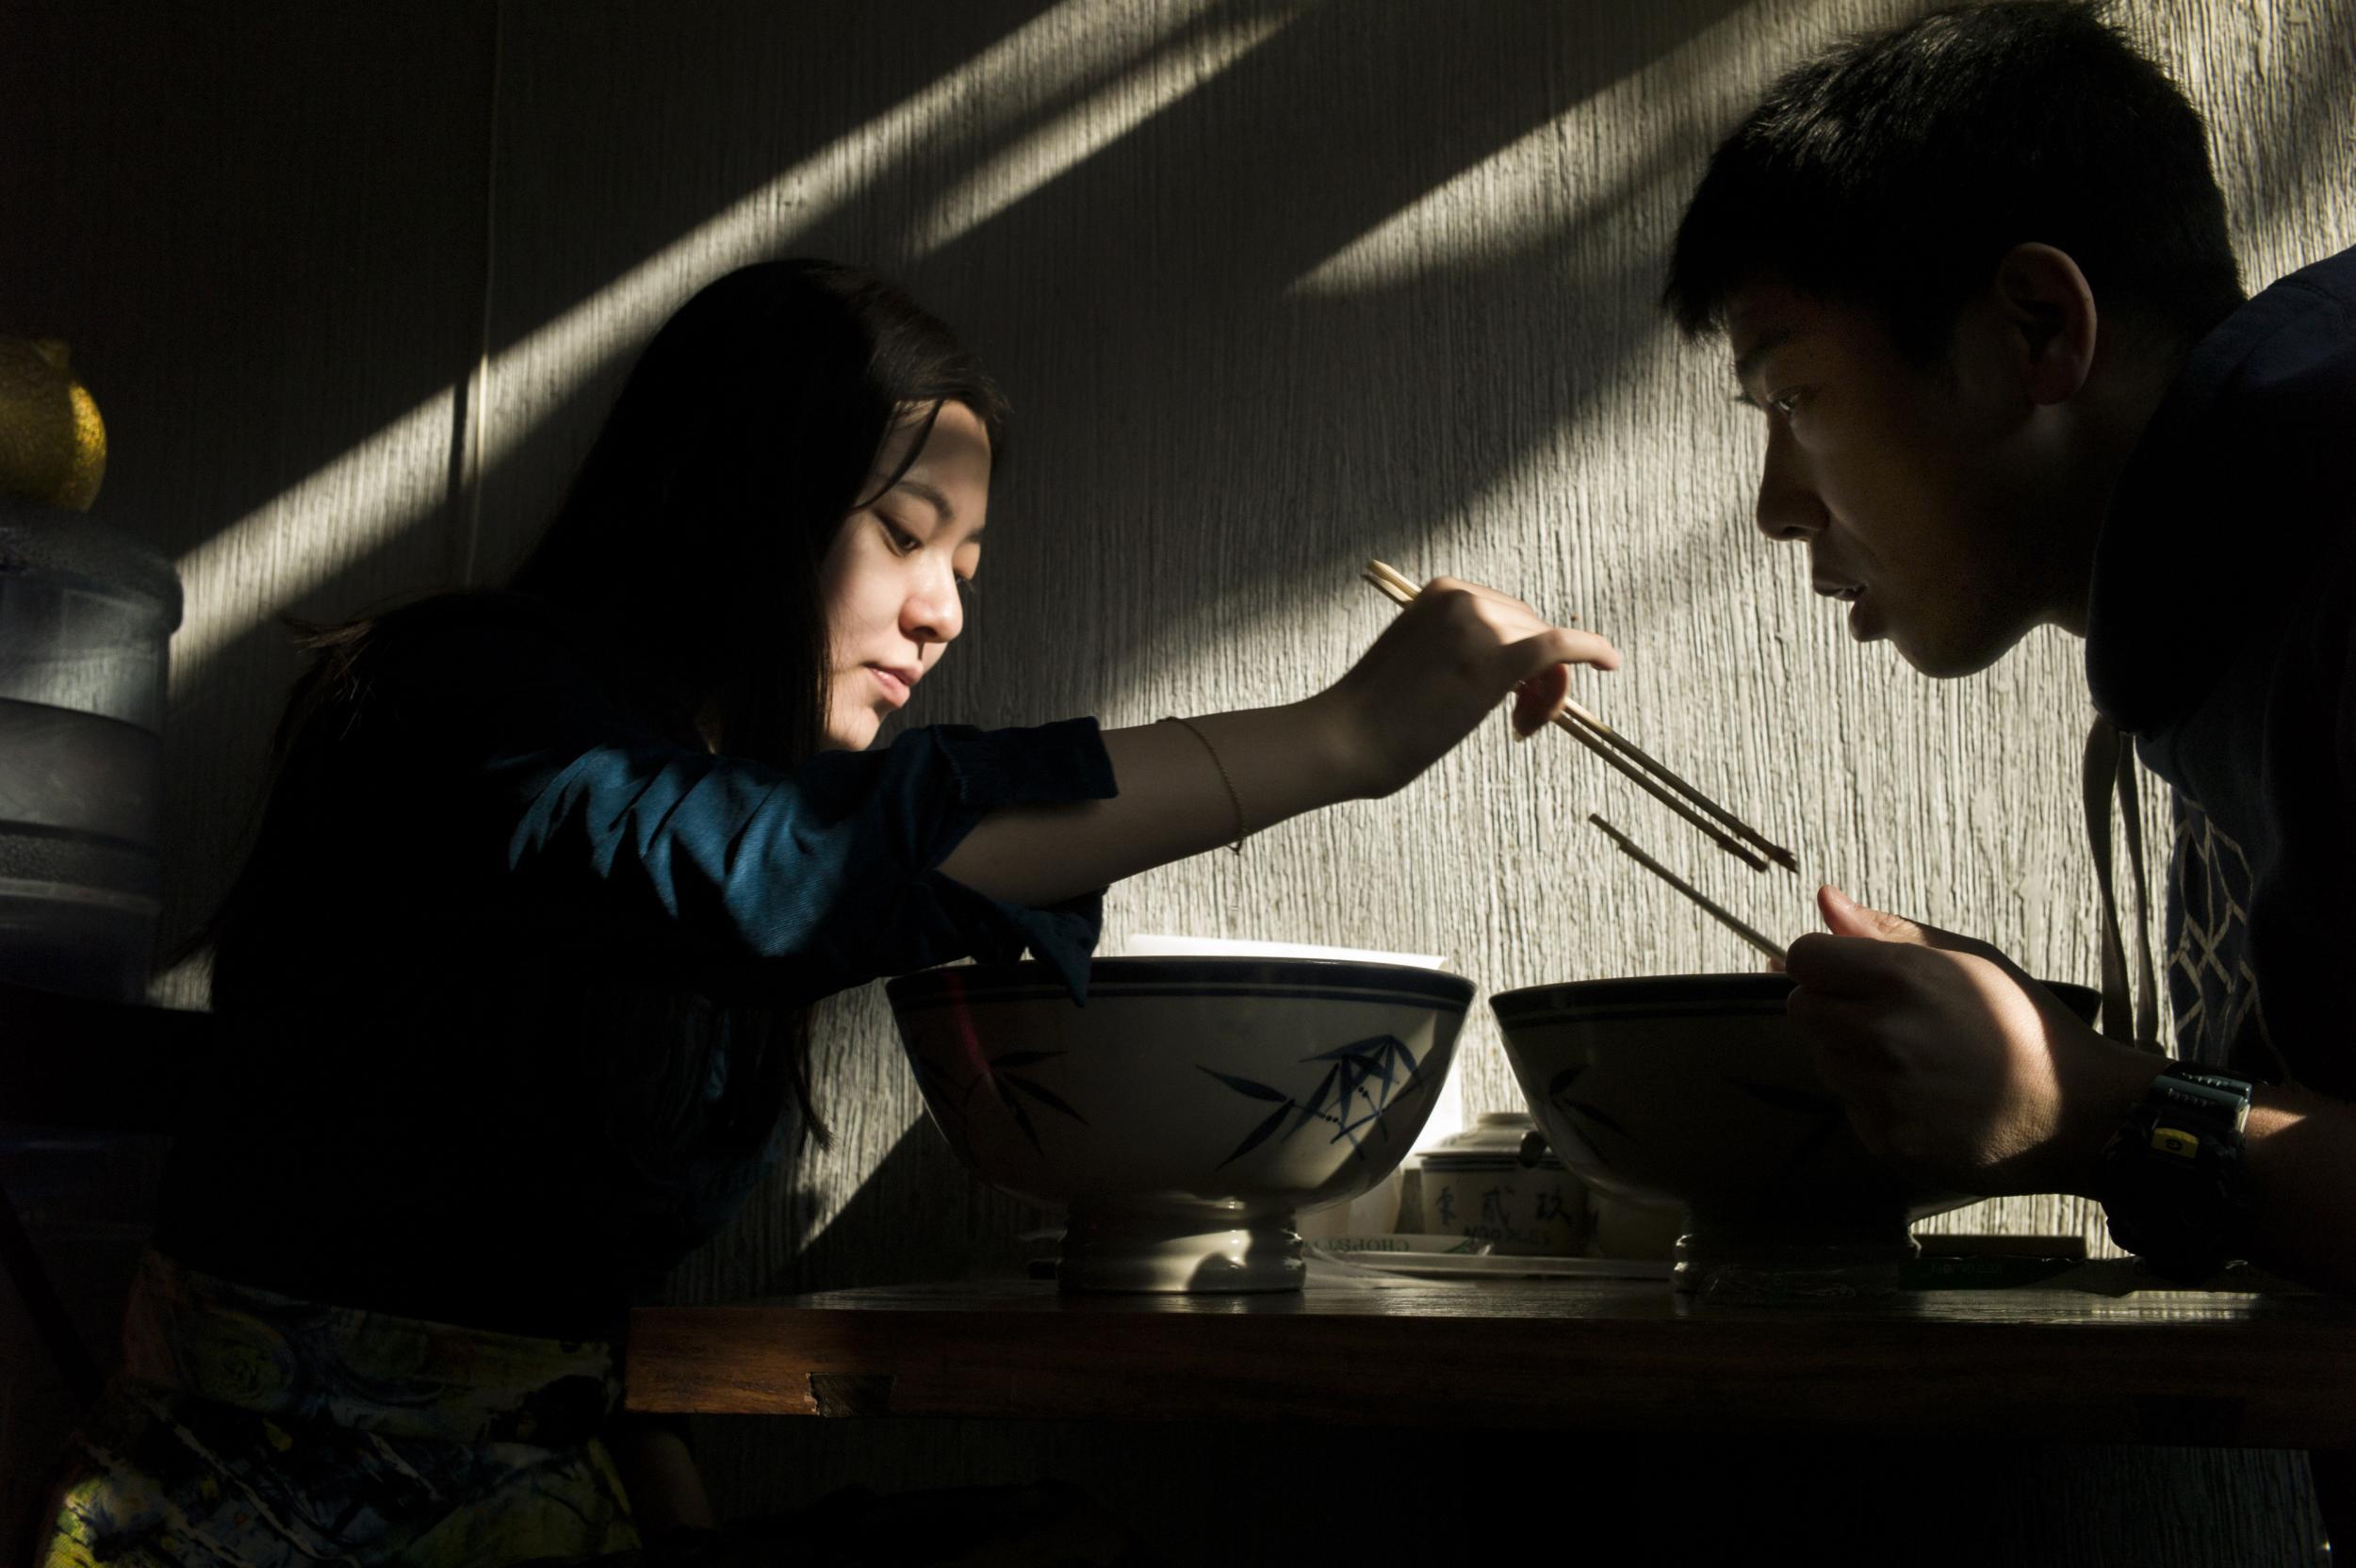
[[1325, 976], [1749, 989]]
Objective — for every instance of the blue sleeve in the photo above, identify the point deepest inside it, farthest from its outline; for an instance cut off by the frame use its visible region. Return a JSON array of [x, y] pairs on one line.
[[812, 880]]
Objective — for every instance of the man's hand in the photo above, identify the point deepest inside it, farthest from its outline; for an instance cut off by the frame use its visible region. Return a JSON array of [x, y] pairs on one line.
[[1954, 1064]]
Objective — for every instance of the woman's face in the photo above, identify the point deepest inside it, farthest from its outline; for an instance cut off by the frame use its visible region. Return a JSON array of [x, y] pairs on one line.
[[894, 579]]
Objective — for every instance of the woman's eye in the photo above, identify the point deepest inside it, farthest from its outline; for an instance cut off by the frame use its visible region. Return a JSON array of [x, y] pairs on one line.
[[967, 587], [903, 542], [1785, 402]]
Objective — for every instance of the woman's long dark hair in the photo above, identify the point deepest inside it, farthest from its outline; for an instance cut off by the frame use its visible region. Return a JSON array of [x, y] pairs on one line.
[[691, 540], [685, 558]]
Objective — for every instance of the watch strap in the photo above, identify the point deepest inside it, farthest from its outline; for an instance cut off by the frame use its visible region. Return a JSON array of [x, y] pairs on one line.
[[2174, 1189]]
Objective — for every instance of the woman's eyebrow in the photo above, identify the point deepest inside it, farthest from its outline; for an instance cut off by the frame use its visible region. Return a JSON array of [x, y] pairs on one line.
[[926, 492]]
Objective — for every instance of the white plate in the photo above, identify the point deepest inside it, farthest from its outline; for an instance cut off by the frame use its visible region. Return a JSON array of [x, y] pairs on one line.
[[1237, 947], [1465, 1265]]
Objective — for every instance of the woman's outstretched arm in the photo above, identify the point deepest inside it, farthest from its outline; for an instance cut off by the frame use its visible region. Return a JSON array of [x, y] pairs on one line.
[[1446, 664]]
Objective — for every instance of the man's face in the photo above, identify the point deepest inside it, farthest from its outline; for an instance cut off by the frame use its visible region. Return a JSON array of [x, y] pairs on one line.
[[1919, 492]]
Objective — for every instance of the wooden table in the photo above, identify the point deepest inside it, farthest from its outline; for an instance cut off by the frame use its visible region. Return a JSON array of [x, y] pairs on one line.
[[2206, 1368]]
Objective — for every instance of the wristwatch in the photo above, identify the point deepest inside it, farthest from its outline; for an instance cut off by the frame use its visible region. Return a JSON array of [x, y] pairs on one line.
[[2173, 1186]]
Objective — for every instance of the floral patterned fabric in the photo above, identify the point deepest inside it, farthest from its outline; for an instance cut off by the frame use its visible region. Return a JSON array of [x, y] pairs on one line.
[[256, 1429]]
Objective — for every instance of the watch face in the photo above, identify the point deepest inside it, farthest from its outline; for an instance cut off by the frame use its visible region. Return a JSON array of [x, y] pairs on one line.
[[2215, 1100]]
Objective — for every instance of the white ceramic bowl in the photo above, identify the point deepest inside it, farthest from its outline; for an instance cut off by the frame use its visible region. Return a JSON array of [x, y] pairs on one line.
[[1691, 1091], [1190, 1108]]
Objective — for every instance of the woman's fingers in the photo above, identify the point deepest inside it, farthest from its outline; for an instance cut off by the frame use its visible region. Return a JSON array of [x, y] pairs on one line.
[[1516, 625], [1533, 658], [1538, 699], [1556, 645], [1455, 653], [1539, 670]]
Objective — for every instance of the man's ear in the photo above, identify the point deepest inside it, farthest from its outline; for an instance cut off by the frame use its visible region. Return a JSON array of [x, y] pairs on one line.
[[2049, 312]]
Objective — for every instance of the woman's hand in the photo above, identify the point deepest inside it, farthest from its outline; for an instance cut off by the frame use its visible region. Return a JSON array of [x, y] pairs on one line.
[[1441, 667]]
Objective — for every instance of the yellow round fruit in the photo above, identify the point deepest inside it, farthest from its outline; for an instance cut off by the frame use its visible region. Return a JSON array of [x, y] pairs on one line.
[[53, 445]]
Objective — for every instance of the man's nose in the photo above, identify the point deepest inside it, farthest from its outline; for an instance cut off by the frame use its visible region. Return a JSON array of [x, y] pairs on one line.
[[1788, 507]]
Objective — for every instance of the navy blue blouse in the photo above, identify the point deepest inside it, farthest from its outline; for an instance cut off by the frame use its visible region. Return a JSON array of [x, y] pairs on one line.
[[487, 1017]]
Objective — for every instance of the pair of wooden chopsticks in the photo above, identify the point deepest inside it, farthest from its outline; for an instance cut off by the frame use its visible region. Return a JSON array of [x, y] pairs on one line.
[[1728, 831], [1733, 837], [1715, 911]]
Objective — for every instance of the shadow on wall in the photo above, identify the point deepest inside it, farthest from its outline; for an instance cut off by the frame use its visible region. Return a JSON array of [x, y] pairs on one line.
[[1139, 302], [899, 1224], [266, 229], [1178, 395], [270, 234]]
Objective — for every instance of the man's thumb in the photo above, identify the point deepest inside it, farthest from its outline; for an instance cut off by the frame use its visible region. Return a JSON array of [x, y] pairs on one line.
[[1846, 917]]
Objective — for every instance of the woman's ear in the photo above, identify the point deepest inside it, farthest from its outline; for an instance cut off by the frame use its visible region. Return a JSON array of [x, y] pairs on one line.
[[2049, 312]]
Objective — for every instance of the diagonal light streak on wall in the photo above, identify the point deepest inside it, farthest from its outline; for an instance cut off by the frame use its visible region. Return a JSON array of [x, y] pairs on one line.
[[1091, 125], [1528, 184], [1582, 168], [398, 477]]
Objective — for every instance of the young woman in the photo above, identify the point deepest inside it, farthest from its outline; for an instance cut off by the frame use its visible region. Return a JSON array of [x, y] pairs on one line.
[[513, 984]]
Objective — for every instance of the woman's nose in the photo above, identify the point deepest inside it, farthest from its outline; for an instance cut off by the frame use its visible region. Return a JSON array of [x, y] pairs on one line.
[[934, 611], [1788, 507]]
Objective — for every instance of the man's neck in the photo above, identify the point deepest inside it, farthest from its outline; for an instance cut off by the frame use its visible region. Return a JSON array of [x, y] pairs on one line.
[[2116, 407]]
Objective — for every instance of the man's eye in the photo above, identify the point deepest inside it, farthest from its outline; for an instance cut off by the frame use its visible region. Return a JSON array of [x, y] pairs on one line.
[[1786, 402]]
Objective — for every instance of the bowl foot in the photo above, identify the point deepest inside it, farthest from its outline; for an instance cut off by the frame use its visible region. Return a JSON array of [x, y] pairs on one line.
[[1181, 1253]]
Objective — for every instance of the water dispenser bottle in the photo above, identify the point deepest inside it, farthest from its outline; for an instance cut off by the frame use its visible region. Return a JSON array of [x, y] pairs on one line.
[[85, 615], [86, 619]]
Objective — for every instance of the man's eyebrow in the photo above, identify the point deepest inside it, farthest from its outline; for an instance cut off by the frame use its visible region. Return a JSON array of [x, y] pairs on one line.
[[927, 491], [1759, 351]]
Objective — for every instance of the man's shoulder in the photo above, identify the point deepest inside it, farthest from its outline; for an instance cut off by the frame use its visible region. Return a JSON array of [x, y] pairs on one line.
[[2281, 368], [2238, 508], [2334, 278]]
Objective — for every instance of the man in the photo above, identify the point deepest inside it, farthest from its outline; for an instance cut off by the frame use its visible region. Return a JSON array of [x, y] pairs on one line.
[[1974, 272]]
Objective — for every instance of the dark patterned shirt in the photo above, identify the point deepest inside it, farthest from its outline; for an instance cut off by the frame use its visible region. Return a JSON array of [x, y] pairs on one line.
[[2222, 636], [493, 1031]]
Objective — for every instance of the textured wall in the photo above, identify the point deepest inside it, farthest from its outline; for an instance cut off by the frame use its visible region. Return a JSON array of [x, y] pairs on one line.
[[1275, 288]]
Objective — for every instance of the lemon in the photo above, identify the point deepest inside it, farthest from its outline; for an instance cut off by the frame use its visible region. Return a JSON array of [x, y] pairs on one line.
[[53, 445]]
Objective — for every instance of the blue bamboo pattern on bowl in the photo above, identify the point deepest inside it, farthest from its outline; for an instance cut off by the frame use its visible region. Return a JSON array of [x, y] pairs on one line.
[[1360, 1082], [1008, 1089]]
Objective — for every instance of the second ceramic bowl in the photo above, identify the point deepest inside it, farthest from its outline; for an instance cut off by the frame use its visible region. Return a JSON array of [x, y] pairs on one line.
[[1693, 1090]]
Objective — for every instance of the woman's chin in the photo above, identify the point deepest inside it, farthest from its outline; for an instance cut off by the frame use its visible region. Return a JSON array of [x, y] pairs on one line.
[[855, 733]]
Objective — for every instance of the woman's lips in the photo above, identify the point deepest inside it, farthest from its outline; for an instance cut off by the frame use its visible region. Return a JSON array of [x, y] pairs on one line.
[[895, 686]]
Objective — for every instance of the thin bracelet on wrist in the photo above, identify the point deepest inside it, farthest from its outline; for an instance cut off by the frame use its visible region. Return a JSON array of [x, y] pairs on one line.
[[1233, 798]]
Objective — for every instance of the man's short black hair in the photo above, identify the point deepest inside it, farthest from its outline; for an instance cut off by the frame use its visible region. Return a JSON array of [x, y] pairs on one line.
[[1893, 171]]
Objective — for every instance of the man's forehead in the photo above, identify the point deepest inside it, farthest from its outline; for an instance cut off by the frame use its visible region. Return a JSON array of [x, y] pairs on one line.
[[1763, 316]]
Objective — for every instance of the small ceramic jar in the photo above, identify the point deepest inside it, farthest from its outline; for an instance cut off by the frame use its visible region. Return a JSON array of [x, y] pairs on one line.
[[1479, 1183]]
